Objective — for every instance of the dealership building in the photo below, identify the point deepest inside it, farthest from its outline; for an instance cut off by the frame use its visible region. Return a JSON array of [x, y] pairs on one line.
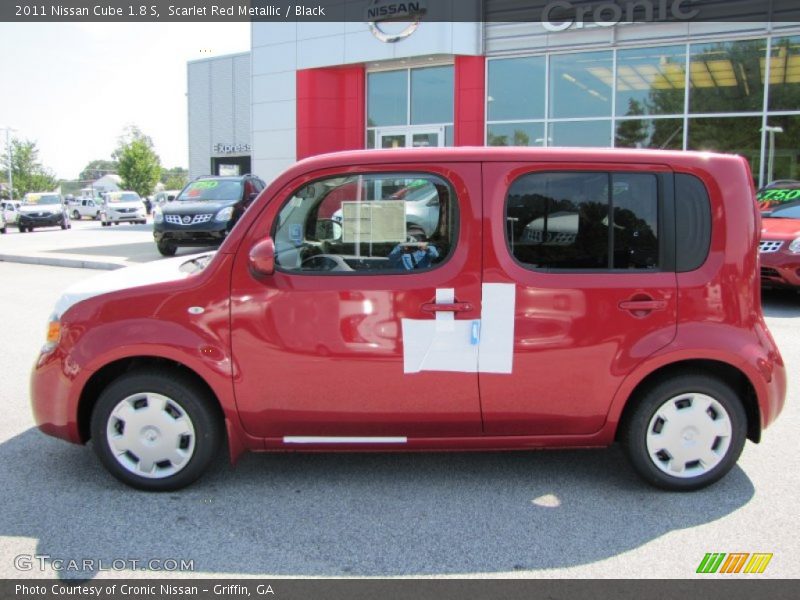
[[671, 81]]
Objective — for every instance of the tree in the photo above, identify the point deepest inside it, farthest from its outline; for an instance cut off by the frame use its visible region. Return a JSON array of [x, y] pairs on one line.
[[138, 164], [28, 174], [97, 168], [175, 178]]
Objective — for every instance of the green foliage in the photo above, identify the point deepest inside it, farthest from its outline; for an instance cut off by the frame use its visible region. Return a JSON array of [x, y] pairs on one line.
[[138, 164], [97, 168], [175, 178], [28, 174]]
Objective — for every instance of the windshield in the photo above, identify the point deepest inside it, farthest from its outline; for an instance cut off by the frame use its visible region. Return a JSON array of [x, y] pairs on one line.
[[212, 189], [43, 199], [786, 212], [123, 197], [771, 198]]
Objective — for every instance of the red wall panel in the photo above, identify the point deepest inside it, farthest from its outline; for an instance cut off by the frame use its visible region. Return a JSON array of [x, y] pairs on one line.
[[331, 104], [470, 98]]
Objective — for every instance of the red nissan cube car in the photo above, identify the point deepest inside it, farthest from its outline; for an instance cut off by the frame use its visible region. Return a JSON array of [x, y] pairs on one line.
[[563, 298]]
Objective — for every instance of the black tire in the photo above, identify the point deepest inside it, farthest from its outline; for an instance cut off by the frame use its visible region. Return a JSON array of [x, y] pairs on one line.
[[2, 229], [104, 224], [76, 215], [64, 224], [22, 229], [185, 401], [701, 431], [166, 248]]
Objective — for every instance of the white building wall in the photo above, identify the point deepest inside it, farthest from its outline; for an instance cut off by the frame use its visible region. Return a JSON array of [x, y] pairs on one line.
[[280, 49], [219, 107]]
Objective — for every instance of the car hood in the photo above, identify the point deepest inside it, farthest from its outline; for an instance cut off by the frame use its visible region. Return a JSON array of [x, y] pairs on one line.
[[129, 277], [185, 207], [131, 204], [780, 229], [39, 208]]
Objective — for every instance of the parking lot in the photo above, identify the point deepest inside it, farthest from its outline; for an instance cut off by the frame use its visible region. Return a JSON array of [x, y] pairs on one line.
[[516, 514]]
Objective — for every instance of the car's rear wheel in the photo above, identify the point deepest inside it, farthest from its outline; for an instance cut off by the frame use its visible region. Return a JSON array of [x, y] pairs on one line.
[[686, 432], [166, 248], [3, 229], [156, 430], [64, 224], [76, 215]]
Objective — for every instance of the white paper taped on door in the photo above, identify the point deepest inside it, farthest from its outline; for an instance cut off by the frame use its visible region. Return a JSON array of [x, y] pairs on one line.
[[485, 345]]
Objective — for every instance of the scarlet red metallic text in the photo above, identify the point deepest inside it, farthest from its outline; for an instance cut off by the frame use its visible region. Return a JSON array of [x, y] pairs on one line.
[[293, 360]]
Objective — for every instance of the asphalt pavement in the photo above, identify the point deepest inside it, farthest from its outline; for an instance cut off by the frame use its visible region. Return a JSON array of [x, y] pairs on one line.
[[86, 245]]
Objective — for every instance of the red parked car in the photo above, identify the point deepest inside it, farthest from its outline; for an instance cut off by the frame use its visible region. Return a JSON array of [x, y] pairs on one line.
[[565, 298], [779, 249]]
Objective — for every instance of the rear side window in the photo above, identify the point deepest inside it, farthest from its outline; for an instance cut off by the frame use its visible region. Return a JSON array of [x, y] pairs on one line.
[[371, 223], [692, 222], [584, 220]]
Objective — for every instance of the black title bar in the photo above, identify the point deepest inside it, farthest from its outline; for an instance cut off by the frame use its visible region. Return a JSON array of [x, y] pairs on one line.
[[601, 12]]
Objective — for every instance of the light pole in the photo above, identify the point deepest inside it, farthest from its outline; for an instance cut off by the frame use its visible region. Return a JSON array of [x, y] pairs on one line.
[[771, 130], [8, 149]]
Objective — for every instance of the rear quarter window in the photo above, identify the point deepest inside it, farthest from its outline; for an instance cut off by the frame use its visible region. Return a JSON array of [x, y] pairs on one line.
[[692, 223]]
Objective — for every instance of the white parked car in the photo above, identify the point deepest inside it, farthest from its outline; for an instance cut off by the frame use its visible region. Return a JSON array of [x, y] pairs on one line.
[[85, 207], [42, 209], [122, 207], [165, 196], [10, 209]]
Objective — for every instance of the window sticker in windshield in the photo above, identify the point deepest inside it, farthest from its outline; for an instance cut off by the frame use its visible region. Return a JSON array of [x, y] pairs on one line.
[[770, 198], [203, 185]]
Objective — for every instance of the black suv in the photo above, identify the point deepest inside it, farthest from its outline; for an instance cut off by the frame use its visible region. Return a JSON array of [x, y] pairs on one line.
[[204, 212]]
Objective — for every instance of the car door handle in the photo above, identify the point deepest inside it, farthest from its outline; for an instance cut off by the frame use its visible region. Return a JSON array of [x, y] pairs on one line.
[[643, 305], [449, 307]]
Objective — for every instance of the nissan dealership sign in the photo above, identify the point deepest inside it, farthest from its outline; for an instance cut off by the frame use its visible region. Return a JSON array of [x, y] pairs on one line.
[[391, 21]]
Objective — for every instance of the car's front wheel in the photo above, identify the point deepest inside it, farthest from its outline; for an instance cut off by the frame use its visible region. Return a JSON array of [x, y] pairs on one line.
[[166, 248], [686, 432], [156, 430]]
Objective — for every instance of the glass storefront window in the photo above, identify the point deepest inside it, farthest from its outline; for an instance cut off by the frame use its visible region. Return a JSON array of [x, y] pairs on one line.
[[432, 95], [581, 133], [786, 157], [726, 76], [581, 84], [664, 134], [733, 135], [387, 98], [516, 88], [515, 134], [784, 74], [651, 81]]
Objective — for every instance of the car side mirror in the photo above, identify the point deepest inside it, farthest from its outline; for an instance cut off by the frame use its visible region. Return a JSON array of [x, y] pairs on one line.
[[262, 258]]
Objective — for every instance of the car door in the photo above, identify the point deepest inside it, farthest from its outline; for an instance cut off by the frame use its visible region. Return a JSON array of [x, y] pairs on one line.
[[346, 342], [591, 302]]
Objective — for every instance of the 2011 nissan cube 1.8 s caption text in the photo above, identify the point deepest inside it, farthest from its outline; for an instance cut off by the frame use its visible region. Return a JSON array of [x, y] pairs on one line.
[[558, 298]]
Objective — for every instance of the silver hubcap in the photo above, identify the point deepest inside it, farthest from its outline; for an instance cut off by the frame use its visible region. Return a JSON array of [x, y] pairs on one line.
[[150, 435], [689, 435]]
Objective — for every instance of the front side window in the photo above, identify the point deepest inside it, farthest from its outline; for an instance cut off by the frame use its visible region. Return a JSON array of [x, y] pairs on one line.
[[584, 220], [361, 224]]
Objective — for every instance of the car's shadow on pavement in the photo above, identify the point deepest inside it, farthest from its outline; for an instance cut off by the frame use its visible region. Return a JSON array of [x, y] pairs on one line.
[[351, 514], [780, 303]]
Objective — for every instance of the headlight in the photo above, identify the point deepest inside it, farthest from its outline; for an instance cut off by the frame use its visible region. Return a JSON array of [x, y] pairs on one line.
[[158, 215], [53, 334], [794, 247], [225, 214]]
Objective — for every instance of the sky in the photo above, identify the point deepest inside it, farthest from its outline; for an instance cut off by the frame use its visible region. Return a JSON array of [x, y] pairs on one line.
[[73, 87]]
